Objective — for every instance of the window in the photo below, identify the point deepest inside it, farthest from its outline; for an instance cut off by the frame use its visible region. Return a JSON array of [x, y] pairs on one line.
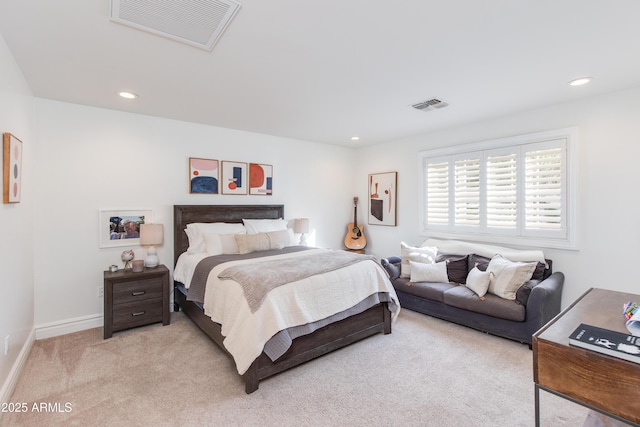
[[514, 190]]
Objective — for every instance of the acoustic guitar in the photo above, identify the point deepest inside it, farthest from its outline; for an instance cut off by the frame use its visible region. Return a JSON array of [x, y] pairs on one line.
[[355, 233]]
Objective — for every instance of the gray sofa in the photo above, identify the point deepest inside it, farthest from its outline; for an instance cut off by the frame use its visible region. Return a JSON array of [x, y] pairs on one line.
[[537, 301]]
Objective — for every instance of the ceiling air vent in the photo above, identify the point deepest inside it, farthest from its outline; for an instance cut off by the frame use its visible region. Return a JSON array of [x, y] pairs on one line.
[[195, 22], [430, 104]]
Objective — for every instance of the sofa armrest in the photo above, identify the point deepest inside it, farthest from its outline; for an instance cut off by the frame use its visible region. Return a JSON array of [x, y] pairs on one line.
[[544, 301]]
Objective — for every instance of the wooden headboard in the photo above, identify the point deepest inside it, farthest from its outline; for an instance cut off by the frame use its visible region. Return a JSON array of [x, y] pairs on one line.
[[186, 214]]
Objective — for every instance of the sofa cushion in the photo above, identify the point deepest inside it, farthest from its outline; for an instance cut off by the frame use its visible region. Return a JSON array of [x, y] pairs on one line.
[[464, 298], [411, 253], [430, 291], [508, 276], [457, 267], [422, 272], [478, 281]]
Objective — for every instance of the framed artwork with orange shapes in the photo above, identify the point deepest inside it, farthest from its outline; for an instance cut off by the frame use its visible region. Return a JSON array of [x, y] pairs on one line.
[[203, 176], [260, 179], [234, 178]]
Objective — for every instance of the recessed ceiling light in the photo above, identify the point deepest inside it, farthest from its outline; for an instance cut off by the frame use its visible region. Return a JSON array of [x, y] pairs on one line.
[[581, 81], [128, 95], [355, 138]]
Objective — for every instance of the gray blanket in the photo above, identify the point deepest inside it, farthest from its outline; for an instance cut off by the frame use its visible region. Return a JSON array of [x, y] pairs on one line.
[[201, 273], [258, 279]]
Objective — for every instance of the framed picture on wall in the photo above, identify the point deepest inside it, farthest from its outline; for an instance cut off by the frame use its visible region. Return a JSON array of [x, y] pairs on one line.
[[12, 170], [260, 179], [234, 178], [203, 175], [383, 197], [121, 227]]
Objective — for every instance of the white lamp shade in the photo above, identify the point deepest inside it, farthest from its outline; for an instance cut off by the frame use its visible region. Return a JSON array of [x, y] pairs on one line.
[[151, 234], [301, 225]]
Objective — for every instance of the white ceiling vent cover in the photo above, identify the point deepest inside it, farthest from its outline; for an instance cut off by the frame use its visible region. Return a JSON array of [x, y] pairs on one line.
[[195, 22], [430, 104]]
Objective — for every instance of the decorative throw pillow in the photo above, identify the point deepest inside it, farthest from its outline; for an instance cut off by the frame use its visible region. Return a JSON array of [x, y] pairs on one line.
[[456, 267], [213, 244], [523, 292], [478, 281], [392, 270], [508, 276], [229, 244], [248, 243], [425, 255], [278, 239], [435, 273]]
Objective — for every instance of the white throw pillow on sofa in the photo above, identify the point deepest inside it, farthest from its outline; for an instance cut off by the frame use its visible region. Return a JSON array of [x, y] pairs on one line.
[[410, 253], [478, 281], [436, 273], [508, 276]]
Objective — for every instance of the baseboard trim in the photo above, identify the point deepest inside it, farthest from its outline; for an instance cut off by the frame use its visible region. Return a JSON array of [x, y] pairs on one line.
[[68, 326], [16, 370]]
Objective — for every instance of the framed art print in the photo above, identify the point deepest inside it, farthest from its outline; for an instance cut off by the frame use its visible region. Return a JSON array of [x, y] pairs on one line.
[[121, 227], [260, 179], [234, 178], [383, 196], [203, 175], [12, 162]]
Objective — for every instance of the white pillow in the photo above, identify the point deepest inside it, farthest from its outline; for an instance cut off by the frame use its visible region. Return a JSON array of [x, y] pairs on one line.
[[195, 233], [421, 272], [213, 244], [410, 253], [478, 281], [229, 244], [254, 226], [508, 276]]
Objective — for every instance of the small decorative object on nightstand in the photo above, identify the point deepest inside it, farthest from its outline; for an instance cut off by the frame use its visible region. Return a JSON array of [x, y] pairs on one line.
[[135, 299]]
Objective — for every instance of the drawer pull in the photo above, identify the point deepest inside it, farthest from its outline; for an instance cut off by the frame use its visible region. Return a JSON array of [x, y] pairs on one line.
[[137, 294], [139, 313]]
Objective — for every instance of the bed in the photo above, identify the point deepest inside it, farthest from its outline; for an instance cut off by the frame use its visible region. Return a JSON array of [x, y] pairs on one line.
[[324, 336]]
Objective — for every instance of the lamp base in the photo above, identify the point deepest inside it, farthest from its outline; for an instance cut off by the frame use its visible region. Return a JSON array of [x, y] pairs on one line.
[[152, 259]]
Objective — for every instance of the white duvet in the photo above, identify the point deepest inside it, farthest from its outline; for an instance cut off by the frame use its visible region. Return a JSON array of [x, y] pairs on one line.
[[293, 304]]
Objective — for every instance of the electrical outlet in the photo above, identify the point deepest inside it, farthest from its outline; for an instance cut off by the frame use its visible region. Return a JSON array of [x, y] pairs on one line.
[[6, 345], [100, 291]]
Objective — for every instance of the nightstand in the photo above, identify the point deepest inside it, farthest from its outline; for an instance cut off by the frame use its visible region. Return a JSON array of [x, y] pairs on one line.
[[135, 299]]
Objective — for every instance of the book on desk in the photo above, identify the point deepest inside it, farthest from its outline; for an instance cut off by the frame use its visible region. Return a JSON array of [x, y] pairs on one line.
[[606, 341]]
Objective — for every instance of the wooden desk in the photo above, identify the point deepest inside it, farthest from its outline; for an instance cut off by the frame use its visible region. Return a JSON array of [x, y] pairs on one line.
[[604, 383]]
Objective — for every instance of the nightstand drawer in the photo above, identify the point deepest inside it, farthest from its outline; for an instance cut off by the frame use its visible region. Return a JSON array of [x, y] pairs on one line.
[[137, 313], [137, 290]]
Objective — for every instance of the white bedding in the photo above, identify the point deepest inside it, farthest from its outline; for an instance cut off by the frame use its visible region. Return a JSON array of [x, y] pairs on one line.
[[293, 304], [186, 266]]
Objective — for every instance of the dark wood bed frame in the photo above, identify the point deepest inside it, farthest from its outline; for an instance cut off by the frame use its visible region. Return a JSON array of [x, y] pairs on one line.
[[303, 349]]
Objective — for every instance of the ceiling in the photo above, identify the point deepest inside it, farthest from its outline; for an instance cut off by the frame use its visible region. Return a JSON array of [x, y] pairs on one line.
[[328, 70]]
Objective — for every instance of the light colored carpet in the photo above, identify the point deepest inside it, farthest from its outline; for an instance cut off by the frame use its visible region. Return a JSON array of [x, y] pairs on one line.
[[428, 372]]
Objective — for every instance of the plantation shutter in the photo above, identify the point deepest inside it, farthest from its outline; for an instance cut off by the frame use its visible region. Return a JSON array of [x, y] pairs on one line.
[[502, 186], [467, 191], [437, 187], [544, 195]]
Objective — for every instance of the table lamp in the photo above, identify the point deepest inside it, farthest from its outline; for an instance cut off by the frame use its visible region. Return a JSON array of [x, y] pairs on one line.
[[151, 235], [301, 225]]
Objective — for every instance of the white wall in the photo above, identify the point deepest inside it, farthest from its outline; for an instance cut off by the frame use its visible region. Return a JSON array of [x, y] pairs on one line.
[[16, 249], [609, 180], [89, 158]]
